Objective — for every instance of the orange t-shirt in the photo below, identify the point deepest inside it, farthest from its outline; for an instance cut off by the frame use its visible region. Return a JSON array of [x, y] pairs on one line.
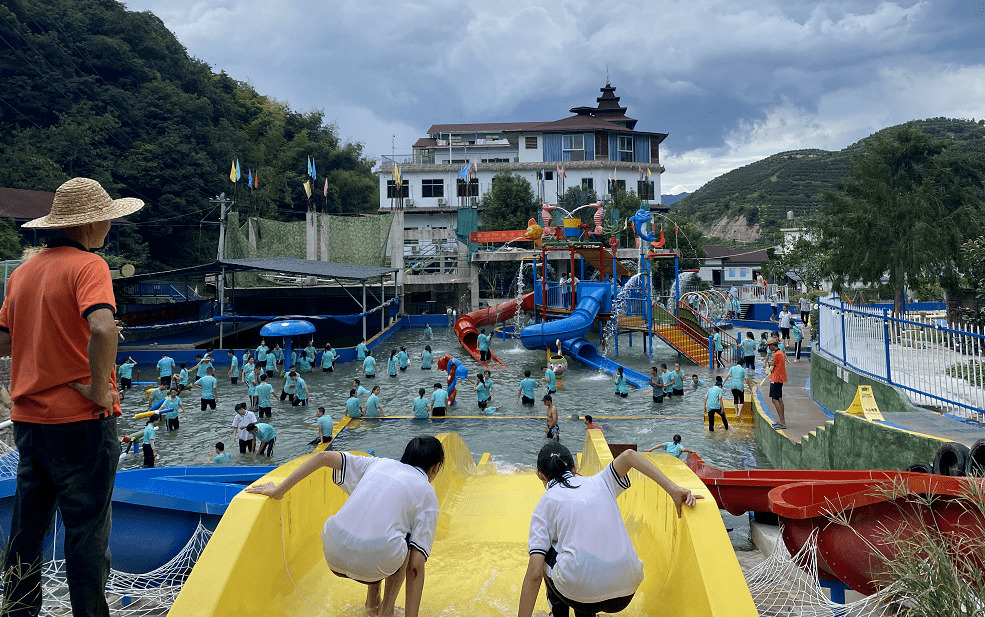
[[49, 298], [779, 374]]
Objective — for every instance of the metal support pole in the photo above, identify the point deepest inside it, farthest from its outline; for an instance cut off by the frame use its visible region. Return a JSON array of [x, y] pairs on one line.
[[711, 352], [224, 206], [364, 311], [844, 347], [382, 302], [885, 338], [677, 284]]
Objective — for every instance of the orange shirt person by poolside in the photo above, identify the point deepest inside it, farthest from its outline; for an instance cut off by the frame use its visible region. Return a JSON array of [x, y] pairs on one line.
[[777, 366], [589, 424]]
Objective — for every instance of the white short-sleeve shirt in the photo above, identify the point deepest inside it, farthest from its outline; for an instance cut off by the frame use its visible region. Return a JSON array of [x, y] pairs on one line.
[[240, 422], [596, 560], [391, 507]]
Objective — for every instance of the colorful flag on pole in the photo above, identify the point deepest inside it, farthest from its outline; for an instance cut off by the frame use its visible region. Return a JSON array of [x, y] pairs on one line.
[[558, 170], [256, 180], [641, 174], [232, 171], [314, 170], [648, 174], [249, 179], [563, 175], [237, 171], [307, 188], [396, 175], [325, 190], [309, 166]]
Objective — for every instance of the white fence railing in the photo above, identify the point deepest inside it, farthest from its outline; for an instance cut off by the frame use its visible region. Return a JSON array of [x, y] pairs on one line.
[[938, 366]]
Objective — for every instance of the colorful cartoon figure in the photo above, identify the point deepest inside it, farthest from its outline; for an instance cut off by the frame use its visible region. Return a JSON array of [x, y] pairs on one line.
[[456, 370], [641, 218], [534, 232]]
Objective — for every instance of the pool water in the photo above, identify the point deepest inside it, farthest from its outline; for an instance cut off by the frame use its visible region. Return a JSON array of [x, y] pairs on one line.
[[511, 436]]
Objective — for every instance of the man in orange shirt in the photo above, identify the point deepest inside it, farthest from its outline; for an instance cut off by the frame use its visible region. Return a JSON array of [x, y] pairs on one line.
[[64, 412], [777, 367]]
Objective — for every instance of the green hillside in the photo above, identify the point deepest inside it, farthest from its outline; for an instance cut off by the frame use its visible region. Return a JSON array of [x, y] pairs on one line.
[[764, 191], [88, 88]]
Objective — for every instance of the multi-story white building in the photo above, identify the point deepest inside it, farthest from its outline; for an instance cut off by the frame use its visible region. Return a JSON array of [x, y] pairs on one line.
[[593, 146]]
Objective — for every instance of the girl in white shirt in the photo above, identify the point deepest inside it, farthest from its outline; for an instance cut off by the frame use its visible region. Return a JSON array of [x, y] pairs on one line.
[[578, 542], [385, 529]]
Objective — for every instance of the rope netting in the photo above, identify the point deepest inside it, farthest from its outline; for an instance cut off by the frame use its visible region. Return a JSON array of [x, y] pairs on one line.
[[148, 594], [788, 586]]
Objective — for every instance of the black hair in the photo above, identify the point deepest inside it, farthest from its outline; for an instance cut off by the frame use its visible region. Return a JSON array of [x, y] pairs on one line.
[[321, 409], [182, 365], [554, 461], [153, 418], [654, 369], [402, 348], [420, 392], [693, 375], [220, 446], [251, 427], [292, 374], [427, 347], [375, 388], [677, 439], [547, 398], [239, 406], [619, 371], [482, 330], [718, 380], [352, 392], [589, 418], [423, 452], [355, 381], [437, 385], [526, 373], [263, 377], [198, 356], [393, 352], [480, 379], [663, 366]]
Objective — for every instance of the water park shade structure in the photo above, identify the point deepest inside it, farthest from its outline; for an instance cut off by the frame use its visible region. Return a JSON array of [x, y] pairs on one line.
[[289, 328], [326, 270]]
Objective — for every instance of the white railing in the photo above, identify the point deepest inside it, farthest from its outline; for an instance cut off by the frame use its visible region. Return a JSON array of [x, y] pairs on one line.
[[939, 366], [756, 293]]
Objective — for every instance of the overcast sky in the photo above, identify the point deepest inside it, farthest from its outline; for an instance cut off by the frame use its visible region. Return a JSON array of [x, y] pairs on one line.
[[730, 85]]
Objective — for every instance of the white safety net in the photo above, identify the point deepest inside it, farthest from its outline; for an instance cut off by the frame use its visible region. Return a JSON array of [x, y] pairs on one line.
[[788, 586]]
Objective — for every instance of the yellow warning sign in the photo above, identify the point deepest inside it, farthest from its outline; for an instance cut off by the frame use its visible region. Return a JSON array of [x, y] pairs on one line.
[[865, 405]]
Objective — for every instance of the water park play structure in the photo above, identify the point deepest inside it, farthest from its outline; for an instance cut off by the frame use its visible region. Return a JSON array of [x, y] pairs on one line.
[[621, 302], [481, 545]]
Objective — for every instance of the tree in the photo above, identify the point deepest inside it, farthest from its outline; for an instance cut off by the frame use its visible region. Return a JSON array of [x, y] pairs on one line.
[[576, 197], [803, 259], [903, 211], [11, 243], [509, 203]]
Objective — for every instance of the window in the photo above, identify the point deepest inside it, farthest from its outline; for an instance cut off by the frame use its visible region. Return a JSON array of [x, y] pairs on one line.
[[472, 190], [548, 175], [574, 147], [495, 160], [391, 191], [433, 188], [616, 185], [588, 183], [731, 273], [744, 273], [644, 190], [530, 143], [626, 148]]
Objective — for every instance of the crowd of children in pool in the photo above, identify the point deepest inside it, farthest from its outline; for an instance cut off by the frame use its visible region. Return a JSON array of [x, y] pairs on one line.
[[259, 367]]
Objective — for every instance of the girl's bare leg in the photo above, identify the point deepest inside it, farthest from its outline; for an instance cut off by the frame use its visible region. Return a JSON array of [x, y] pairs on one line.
[[393, 584]]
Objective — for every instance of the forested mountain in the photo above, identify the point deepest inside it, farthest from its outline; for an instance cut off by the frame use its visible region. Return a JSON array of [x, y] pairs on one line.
[[764, 191], [88, 88]]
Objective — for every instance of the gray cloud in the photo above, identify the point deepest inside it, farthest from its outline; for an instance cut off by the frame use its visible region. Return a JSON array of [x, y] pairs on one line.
[[731, 83]]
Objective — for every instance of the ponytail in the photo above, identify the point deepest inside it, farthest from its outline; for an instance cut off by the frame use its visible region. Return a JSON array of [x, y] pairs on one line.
[[555, 462]]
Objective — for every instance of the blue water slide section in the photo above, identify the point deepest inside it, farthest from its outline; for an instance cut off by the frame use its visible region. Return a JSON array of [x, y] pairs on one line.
[[591, 297], [587, 353]]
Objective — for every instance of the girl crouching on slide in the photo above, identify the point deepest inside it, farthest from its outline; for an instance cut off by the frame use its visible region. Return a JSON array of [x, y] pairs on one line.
[[578, 542], [393, 506]]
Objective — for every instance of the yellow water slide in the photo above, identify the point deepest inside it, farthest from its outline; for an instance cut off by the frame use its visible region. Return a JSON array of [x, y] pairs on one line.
[[266, 558]]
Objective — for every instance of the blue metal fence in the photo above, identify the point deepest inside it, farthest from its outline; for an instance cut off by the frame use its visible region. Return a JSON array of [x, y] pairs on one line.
[[939, 366]]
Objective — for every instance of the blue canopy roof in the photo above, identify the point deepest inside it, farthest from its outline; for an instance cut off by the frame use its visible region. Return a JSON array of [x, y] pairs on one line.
[[288, 327]]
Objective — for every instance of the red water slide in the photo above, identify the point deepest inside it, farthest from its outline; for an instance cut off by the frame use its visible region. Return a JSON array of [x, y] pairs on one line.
[[467, 326], [876, 503]]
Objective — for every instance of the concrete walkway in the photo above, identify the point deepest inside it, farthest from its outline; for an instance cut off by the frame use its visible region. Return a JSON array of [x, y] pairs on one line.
[[801, 413]]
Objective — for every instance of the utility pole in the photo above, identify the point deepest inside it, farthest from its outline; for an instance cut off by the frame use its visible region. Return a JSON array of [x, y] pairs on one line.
[[225, 205]]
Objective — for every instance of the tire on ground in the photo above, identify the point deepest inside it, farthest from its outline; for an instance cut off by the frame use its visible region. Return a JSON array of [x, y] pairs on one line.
[[975, 464], [950, 459], [921, 468]]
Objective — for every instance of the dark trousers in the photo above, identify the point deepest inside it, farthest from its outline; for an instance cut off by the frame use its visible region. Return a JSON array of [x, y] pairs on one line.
[[172, 424], [750, 362], [711, 419], [246, 445], [483, 355], [561, 606], [299, 401], [796, 347], [72, 467], [739, 398]]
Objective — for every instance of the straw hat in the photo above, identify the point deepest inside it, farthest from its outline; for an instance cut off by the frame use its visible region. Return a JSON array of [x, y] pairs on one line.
[[773, 341], [81, 201]]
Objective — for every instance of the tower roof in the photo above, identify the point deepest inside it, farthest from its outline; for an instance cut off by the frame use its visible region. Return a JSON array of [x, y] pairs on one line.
[[608, 107]]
